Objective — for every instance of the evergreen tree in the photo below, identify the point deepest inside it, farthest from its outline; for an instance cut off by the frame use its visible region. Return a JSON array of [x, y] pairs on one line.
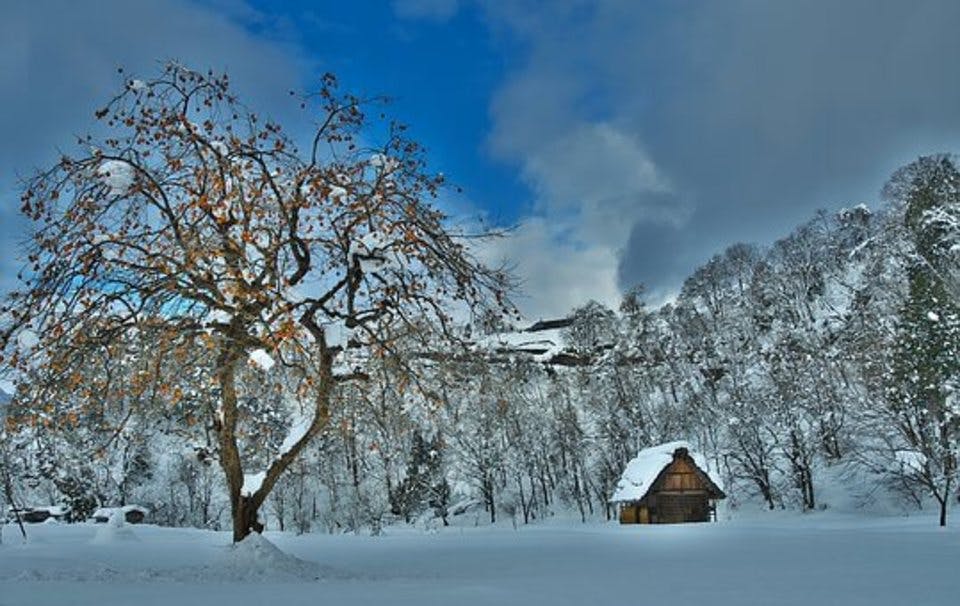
[[926, 358]]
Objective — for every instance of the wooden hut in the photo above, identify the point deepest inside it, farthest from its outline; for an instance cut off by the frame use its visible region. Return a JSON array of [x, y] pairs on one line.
[[667, 484]]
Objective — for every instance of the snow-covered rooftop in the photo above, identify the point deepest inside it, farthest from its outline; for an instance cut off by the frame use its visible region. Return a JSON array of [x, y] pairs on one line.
[[642, 470], [542, 340], [107, 512], [53, 510], [523, 339]]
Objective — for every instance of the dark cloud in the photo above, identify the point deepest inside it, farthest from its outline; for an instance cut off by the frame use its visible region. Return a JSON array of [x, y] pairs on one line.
[[59, 59], [752, 113], [658, 249], [653, 134], [782, 108]]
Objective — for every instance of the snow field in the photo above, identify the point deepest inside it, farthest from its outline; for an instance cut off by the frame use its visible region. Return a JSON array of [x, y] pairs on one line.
[[772, 559]]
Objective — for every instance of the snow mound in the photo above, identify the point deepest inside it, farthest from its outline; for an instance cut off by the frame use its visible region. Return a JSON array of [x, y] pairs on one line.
[[257, 559], [161, 556], [114, 531]]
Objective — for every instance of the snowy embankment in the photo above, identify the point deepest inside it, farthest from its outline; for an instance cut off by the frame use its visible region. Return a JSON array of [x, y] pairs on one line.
[[803, 560]]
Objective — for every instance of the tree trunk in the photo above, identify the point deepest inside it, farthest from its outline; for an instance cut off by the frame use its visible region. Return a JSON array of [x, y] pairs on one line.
[[226, 424], [8, 491], [245, 519], [811, 502], [244, 508], [543, 488], [524, 507], [764, 485], [488, 497]]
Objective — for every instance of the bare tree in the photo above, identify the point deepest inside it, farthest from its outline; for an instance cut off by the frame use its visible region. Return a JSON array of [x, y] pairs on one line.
[[197, 220]]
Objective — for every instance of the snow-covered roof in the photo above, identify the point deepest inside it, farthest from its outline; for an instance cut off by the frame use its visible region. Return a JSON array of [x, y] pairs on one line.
[[542, 341], [107, 512], [642, 470], [523, 340], [54, 510]]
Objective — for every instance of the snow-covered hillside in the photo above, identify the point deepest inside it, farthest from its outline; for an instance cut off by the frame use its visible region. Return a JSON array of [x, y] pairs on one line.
[[794, 369]]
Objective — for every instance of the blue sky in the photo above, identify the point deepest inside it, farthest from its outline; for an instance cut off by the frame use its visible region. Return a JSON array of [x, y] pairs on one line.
[[439, 71], [626, 140]]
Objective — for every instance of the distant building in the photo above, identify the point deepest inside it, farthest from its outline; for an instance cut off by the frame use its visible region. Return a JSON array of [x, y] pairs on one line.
[[36, 515], [667, 484], [132, 514]]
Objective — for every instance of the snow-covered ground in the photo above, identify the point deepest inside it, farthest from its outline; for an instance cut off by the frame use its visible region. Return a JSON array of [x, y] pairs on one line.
[[779, 559]]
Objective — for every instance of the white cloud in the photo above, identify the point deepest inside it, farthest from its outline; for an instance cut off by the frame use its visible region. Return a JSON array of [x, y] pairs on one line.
[[754, 113], [599, 175], [593, 182], [667, 134], [556, 274], [591, 173], [589, 162]]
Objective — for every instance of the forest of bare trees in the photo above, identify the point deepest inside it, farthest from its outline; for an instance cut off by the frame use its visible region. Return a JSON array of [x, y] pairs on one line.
[[228, 331]]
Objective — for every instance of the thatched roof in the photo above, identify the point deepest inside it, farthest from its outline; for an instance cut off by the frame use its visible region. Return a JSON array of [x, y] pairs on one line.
[[643, 471]]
